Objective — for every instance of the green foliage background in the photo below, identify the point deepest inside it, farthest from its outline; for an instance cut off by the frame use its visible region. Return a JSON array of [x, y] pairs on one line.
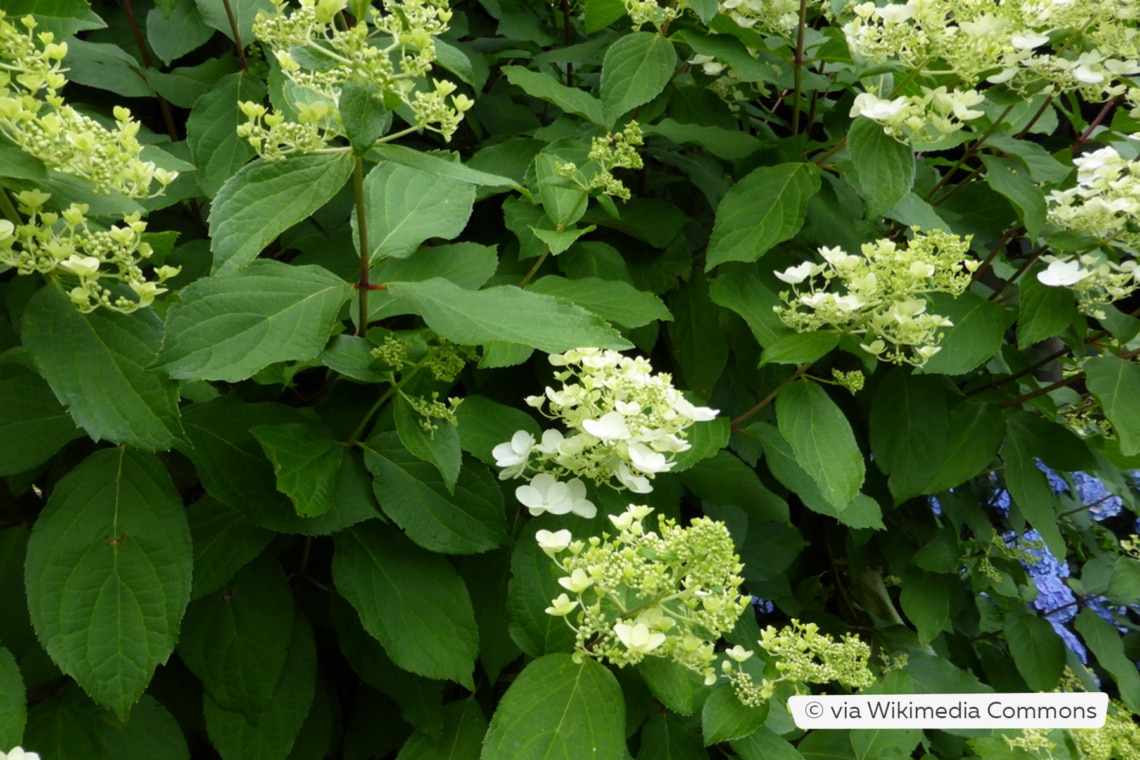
[[234, 539]]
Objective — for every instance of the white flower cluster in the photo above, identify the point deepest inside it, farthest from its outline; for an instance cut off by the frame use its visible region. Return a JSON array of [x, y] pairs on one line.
[[640, 593], [100, 261], [1095, 279], [1088, 46], [767, 16], [882, 293], [35, 117], [624, 424], [924, 118], [393, 51]]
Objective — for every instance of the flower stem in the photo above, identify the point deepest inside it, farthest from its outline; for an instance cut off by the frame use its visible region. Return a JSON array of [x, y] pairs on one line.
[[797, 72], [237, 36], [799, 371], [362, 285], [534, 269]]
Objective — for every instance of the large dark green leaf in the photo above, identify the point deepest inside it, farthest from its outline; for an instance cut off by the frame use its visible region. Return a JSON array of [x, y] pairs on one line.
[[97, 365], [410, 600], [33, 425], [406, 206], [635, 70], [884, 167], [108, 574], [211, 130], [306, 461], [822, 441], [1037, 650], [559, 710], [908, 424], [1116, 385]]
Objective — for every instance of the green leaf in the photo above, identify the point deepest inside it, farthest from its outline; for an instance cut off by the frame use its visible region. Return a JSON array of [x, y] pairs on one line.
[[762, 744], [705, 439], [696, 336], [363, 114], [800, 348], [724, 718], [637, 67], [411, 492], [13, 705], [563, 200], [174, 35], [33, 426], [745, 294], [235, 641], [224, 542], [106, 67], [926, 602], [1043, 311], [770, 548], [464, 727], [1040, 163], [602, 13], [821, 440], [1104, 642], [560, 242], [1037, 650], [234, 470], [352, 357], [615, 301], [151, 732], [504, 313], [439, 448], [183, 87], [667, 737], [229, 327], [977, 334], [1028, 487], [407, 206], [1025, 196], [559, 709], [62, 18], [861, 512], [270, 735], [306, 461], [973, 436], [417, 159], [265, 198], [410, 600], [884, 167], [108, 574], [15, 163], [1125, 583], [681, 690], [546, 87], [97, 363], [1116, 385], [214, 13], [211, 130], [914, 211], [68, 724], [725, 480], [765, 208], [909, 423], [729, 144], [532, 585]]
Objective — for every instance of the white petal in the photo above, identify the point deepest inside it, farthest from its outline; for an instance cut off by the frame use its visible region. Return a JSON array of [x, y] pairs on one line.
[[611, 427]]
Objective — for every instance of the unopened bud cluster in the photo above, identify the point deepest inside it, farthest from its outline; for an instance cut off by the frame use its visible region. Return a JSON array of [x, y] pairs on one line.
[[392, 50], [35, 117], [641, 593], [100, 266], [624, 424], [617, 150], [801, 655], [880, 294]]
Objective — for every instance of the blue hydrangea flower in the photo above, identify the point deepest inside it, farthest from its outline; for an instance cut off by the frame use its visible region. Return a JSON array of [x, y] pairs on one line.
[[1056, 482], [763, 606], [935, 505], [1093, 494]]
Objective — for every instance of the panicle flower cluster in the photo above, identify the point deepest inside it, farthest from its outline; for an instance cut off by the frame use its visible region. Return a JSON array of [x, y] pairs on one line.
[[882, 293], [1118, 739], [766, 16], [34, 116], [642, 593], [1089, 46], [1097, 280], [924, 118], [625, 424], [100, 261], [801, 655], [425, 350], [642, 12], [617, 150], [392, 50]]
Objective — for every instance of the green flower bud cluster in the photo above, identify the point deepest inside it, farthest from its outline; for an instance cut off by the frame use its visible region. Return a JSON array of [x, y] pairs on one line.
[[100, 262], [35, 117], [1096, 279], [392, 50], [1118, 739], [800, 655], [882, 293], [852, 381], [625, 424], [642, 12], [1089, 47], [432, 409], [642, 594], [617, 150]]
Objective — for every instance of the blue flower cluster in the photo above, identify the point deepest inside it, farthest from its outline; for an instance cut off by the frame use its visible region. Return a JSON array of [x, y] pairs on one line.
[[1054, 597]]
